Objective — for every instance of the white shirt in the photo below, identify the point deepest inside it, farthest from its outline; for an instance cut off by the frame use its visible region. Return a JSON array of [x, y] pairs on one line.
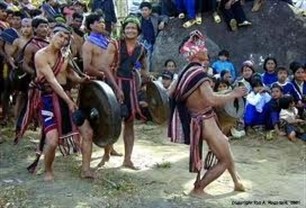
[[288, 115], [258, 100]]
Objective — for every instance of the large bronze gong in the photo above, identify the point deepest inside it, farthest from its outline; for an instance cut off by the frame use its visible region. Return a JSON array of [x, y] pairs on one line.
[[98, 101], [158, 101]]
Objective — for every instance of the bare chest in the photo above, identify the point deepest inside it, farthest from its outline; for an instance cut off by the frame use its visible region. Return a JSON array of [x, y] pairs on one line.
[[58, 65]]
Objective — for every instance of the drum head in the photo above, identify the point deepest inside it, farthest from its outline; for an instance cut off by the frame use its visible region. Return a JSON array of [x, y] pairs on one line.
[[98, 101]]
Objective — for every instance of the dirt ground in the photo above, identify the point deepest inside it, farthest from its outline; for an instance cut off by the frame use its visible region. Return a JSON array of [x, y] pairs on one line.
[[274, 173]]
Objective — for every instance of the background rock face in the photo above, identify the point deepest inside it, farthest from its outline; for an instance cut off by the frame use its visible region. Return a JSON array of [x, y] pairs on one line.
[[276, 31]]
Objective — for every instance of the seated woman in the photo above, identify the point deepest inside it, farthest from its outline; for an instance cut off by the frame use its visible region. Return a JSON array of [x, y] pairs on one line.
[[247, 70], [255, 115]]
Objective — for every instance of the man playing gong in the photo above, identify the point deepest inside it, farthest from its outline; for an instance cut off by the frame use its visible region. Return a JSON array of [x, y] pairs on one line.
[[93, 49], [192, 102], [53, 74], [123, 57]]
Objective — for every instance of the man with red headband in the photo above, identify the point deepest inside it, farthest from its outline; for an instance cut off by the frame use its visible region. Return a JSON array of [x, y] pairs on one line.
[[194, 120]]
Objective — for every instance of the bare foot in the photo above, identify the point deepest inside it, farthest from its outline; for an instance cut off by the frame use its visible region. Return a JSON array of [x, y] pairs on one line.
[[104, 160], [199, 193], [88, 174], [115, 153], [48, 177], [130, 165], [239, 187]]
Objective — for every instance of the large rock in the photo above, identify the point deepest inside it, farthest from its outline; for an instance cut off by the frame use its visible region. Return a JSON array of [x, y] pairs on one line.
[[276, 31]]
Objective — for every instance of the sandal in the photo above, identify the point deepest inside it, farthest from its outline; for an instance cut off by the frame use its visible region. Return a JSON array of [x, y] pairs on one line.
[[199, 20], [216, 17], [189, 23], [181, 16], [233, 25], [244, 23]]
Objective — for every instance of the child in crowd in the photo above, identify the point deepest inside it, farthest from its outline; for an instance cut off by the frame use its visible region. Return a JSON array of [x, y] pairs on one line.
[[224, 63], [274, 109], [221, 85], [170, 66], [288, 88], [256, 106], [247, 70], [167, 78], [226, 76], [289, 116], [270, 74]]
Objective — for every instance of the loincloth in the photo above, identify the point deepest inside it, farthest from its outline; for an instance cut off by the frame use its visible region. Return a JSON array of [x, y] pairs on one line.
[[129, 89], [197, 127], [55, 114]]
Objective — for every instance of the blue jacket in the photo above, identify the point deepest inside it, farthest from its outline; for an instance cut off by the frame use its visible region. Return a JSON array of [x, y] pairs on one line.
[[219, 66], [288, 88], [269, 79]]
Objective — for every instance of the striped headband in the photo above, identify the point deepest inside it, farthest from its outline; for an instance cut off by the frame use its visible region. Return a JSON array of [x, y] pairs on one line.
[[132, 19]]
